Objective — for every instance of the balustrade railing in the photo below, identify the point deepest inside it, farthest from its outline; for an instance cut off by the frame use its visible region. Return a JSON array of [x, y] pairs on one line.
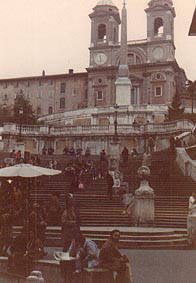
[[180, 125]]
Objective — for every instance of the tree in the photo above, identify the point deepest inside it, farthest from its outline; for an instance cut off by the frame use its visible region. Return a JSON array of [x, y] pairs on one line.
[[22, 111], [175, 110], [5, 114]]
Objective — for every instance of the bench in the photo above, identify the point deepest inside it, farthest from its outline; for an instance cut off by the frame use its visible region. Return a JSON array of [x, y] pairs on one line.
[[20, 278], [97, 275]]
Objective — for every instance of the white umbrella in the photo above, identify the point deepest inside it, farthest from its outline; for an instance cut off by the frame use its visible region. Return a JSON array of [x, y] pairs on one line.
[[26, 170]]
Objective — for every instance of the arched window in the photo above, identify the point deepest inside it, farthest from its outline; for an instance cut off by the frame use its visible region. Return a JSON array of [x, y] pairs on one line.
[[102, 32], [50, 110], [134, 59], [158, 27], [115, 35]]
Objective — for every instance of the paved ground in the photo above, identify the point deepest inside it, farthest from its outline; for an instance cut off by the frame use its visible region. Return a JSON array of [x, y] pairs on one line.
[[154, 266], [160, 266]]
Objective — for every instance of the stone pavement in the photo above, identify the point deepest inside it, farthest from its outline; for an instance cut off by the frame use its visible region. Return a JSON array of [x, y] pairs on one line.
[[159, 266], [153, 266]]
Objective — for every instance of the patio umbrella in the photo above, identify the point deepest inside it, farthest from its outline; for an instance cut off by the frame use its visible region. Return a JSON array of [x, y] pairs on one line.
[[27, 170]]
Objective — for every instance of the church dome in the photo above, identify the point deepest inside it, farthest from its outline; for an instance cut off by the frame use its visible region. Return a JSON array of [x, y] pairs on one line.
[[105, 3]]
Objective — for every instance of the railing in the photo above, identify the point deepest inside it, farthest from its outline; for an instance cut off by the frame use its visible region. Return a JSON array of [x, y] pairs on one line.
[[127, 129]]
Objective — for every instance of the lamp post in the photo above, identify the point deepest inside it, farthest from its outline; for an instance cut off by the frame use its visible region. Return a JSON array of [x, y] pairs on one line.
[[20, 112], [116, 122], [4, 107], [191, 87]]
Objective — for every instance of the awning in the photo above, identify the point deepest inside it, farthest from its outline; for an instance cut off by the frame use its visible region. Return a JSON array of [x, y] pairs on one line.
[[192, 30]]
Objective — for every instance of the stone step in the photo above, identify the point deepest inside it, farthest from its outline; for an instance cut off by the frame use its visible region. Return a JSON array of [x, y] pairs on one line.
[[140, 240]]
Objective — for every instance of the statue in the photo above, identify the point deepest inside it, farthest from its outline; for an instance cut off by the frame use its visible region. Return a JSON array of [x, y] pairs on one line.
[[144, 200], [144, 190]]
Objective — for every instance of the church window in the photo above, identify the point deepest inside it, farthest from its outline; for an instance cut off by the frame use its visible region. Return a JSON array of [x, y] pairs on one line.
[[158, 91], [158, 27], [63, 86], [102, 32], [62, 102], [115, 33], [99, 94], [51, 94], [100, 81], [158, 76], [137, 59], [135, 95], [133, 59], [50, 110], [5, 97]]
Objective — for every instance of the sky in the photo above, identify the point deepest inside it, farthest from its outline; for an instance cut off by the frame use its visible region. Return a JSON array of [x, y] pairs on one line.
[[54, 35]]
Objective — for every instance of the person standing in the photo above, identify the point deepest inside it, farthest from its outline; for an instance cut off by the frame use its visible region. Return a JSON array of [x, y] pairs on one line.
[[110, 183], [69, 225], [125, 154], [111, 258], [151, 144], [192, 201], [6, 231]]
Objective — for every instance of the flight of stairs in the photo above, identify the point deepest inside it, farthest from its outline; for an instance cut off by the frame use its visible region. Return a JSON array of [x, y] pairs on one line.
[[96, 210]]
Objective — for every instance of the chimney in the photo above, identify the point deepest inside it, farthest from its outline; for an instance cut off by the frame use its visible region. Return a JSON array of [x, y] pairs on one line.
[[71, 71], [43, 73]]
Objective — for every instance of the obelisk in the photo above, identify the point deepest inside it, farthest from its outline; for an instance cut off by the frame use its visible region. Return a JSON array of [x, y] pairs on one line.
[[123, 83]]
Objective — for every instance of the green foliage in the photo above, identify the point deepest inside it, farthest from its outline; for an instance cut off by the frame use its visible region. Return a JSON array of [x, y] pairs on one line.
[[175, 111], [6, 114], [22, 111]]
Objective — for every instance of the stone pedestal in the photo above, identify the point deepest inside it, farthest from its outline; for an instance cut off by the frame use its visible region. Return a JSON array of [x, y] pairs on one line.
[[123, 90], [114, 155], [144, 202], [191, 227]]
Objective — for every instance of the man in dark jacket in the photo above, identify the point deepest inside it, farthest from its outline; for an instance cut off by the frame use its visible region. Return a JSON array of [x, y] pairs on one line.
[[111, 258]]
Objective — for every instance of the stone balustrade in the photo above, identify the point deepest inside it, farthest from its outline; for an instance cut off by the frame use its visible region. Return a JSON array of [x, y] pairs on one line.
[[122, 129], [186, 164]]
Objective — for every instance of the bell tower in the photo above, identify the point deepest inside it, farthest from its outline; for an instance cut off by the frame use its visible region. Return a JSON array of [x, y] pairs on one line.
[[105, 21], [160, 30], [160, 20]]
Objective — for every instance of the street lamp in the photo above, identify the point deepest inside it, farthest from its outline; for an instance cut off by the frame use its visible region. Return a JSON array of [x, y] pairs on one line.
[[191, 87], [20, 112], [116, 121], [4, 110]]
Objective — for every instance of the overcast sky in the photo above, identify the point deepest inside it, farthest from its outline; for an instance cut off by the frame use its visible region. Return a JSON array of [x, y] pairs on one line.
[[54, 35]]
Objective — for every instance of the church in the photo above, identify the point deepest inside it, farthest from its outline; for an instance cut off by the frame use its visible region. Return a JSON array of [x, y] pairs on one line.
[[139, 77]]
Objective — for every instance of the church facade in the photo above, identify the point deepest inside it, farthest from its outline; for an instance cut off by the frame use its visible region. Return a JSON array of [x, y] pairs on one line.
[[88, 98]]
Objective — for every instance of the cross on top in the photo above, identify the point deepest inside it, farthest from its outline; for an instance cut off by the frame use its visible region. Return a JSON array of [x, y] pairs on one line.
[[124, 3]]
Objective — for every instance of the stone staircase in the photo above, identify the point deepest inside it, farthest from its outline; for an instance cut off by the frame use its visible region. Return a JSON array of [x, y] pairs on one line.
[[97, 212]]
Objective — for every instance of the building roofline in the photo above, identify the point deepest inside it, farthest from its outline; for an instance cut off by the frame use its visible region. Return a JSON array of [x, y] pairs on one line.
[[57, 76]]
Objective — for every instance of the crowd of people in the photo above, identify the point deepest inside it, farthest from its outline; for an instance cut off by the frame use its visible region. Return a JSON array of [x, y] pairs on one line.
[[34, 216], [109, 257]]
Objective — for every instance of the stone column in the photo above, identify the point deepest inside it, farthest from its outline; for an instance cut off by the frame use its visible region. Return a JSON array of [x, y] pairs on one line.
[[191, 226], [144, 200]]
